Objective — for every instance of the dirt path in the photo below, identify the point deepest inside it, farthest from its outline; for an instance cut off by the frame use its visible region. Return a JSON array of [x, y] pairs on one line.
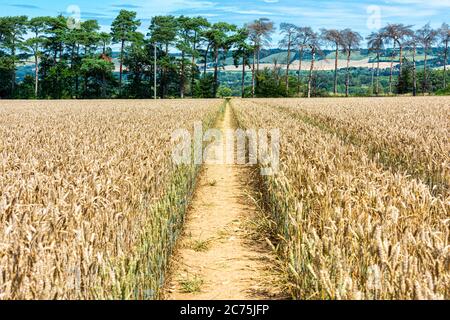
[[217, 257]]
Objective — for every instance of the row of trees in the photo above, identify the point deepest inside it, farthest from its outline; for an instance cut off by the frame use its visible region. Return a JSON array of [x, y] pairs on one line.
[[397, 36], [403, 36], [76, 60]]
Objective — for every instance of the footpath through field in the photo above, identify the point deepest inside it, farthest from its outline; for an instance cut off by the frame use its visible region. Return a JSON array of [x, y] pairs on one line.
[[218, 256]]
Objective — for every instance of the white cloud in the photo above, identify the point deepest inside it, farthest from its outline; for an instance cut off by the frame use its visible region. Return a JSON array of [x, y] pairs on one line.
[[427, 3]]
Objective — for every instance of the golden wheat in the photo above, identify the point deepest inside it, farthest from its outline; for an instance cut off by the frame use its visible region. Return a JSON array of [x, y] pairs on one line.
[[350, 228], [90, 201], [407, 134]]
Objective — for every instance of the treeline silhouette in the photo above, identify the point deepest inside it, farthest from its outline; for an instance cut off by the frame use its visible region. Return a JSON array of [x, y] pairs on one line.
[[73, 59]]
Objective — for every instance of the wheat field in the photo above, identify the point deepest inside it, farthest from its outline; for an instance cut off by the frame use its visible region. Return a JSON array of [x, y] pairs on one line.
[[353, 223], [90, 201], [92, 205]]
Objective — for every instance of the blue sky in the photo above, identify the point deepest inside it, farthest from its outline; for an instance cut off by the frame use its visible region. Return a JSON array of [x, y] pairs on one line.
[[361, 15]]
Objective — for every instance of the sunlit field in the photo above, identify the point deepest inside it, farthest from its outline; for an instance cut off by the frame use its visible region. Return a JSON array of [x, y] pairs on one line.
[[92, 205]]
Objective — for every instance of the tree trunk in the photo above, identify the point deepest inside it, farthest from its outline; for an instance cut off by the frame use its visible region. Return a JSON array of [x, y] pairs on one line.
[[154, 71], [257, 61], [165, 80], [288, 62], [313, 54], [72, 64], [77, 81], [373, 77], [182, 76], [121, 64], [392, 67], [445, 63], [206, 60], [377, 90], [335, 69], [401, 58], [401, 62], [193, 66], [253, 74], [414, 72], [425, 73], [299, 76], [216, 69], [36, 75], [85, 86], [243, 78], [347, 79], [13, 75], [103, 85]]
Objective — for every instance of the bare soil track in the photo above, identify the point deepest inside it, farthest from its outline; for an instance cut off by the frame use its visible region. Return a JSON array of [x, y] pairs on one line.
[[217, 256]]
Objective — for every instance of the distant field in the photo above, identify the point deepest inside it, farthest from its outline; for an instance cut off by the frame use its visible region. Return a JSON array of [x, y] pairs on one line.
[[324, 65]]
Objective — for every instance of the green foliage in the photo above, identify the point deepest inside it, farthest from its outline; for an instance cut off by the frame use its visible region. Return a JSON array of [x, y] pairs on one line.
[[124, 26], [79, 62], [6, 72], [97, 74], [405, 80], [163, 30], [224, 92], [444, 92], [25, 90], [204, 87], [268, 84]]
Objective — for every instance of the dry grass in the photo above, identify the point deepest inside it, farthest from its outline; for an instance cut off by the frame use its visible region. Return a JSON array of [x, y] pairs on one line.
[[90, 201], [349, 227], [191, 285]]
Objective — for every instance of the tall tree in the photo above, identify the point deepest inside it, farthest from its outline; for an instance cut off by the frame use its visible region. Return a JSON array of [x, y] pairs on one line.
[[163, 33], [16, 28], [96, 70], [314, 45], [351, 40], [184, 45], [288, 30], [444, 36], [54, 66], [37, 27], [242, 53], [189, 36], [426, 36], [197, 26], [412, 43], [260, 32], [105, 41], [89, 38], [334, 37], [219, 39], [397, 34], [375, 42], [123, 29], [138, 60], [302, 38]]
